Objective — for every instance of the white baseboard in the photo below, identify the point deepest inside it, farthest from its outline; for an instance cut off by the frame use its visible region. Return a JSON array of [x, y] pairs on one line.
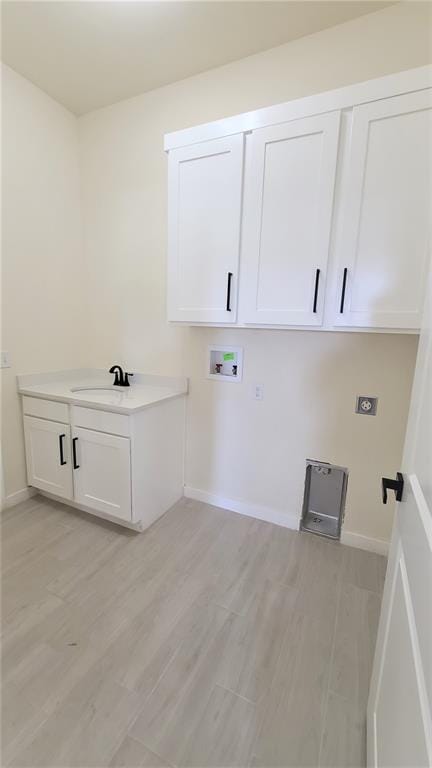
[[18, 497], [286, 520], [351, 539]]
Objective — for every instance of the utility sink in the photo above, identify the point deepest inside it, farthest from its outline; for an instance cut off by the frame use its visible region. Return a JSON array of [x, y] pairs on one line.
[[114, 451], [107, 395], [93, 390]]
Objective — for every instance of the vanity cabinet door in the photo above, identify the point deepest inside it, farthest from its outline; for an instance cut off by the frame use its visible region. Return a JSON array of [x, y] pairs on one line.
[[289, 191], [102, 472], [47, 445], [204, 212], [383, 252]]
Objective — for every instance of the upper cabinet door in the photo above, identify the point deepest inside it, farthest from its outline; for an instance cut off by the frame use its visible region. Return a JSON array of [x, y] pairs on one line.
[[383, 251], [204, 213], [288, 212]]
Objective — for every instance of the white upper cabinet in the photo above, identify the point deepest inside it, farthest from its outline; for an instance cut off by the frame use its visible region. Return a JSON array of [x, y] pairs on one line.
[[204, 213], [289, 192], [383, 251], [328, 195]]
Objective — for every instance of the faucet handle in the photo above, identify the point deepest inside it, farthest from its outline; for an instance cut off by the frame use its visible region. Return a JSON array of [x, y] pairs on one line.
[[126, 379]]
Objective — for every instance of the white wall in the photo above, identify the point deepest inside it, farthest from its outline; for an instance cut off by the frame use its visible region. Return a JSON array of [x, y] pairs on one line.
[[255, 451], [43, 297], [236, 447]]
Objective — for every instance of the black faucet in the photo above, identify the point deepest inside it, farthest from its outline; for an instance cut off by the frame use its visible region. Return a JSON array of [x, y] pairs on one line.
[[121, 378]]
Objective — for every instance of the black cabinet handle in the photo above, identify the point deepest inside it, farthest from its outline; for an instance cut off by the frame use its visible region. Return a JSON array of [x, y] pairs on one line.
[[62, 458], [228, 300], [315, 301], [388, 484], [342, 301], [74, 442]]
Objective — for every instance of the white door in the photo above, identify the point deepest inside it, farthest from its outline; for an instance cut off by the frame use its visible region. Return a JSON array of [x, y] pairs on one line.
[[288, 211], [384, 246], [400, 699], [47, 446], [204, 212], [102, 472]]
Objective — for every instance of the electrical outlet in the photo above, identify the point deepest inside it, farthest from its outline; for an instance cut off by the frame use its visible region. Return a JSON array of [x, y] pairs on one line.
[[259, 392], [4, 360], [366, 405]]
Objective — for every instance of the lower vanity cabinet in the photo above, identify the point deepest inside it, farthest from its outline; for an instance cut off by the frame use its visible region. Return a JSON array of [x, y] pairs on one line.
[[102, 472], [48, 455], [124, 467], [91, 468]]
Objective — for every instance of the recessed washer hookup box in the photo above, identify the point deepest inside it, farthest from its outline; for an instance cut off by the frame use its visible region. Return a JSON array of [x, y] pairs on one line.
[[224, 363]]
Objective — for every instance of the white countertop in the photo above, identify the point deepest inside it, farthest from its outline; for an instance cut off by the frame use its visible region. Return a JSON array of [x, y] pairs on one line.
[[145, 390]]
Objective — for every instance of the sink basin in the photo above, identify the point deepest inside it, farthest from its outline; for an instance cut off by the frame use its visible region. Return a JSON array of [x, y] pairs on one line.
[[94, 390], [103, 395]]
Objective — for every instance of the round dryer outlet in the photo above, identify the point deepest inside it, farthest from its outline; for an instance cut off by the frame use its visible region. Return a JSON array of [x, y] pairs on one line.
[[366, 405]]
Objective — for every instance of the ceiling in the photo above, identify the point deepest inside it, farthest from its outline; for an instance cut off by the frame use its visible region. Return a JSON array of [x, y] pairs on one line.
[[93, 53]]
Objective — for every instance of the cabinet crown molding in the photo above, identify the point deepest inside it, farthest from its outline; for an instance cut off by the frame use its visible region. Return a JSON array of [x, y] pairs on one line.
[[415, 79]]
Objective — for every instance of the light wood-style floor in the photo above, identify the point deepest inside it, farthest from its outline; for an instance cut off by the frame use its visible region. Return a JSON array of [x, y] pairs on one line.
[[210, 640]]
